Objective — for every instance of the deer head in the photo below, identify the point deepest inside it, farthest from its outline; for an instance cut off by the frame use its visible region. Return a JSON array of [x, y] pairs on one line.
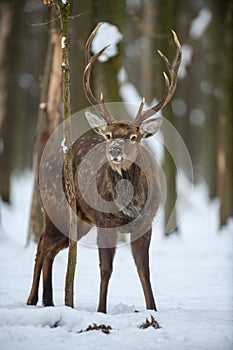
[[123, 137]]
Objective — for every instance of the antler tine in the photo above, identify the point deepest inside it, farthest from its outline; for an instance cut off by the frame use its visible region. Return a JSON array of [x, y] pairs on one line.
[[170, 84], [86, 77], [90, 60], [140, 108], [89, 42]]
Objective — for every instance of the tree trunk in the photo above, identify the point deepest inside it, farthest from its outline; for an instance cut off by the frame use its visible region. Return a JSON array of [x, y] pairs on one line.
[[167, 18], [147, 52], [48, 119], [105, 74], [5, 28], [225, 144], [64, 8]]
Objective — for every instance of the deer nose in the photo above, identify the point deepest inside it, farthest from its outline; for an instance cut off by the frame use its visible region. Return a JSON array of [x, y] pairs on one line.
[[115, 152]]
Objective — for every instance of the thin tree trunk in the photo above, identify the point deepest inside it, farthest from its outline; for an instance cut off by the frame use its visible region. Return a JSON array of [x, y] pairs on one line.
[[105, 74], [170, 173], [147, 51], [225, 168], [225, 142], [167, 18], [64, 8], [48, 119], [5, 29]]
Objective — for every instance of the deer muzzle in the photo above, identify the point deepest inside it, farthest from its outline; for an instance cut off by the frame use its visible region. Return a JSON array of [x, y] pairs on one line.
[[116, 153]]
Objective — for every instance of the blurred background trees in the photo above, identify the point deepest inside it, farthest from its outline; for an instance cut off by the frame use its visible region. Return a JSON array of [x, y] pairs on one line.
[[201, 109]]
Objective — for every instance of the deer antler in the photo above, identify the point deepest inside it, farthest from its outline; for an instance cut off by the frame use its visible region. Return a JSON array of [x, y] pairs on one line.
[[170, 85], [90, 60]]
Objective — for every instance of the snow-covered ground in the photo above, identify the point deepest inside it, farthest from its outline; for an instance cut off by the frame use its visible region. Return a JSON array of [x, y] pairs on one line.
[[191, 277]]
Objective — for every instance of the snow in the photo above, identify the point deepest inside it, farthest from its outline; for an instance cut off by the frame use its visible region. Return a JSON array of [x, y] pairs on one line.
[[128, 92], [63, 42], [107, 34], [187, 53], [191, 272], [206, 87], [63, 145], [197, 117], [191, 276], [200, 23], [179, 107], [42, 105]]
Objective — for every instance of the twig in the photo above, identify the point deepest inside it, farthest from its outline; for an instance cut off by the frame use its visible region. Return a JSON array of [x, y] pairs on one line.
[[152, 323], [42, 23], [55, 19], [105, 329]]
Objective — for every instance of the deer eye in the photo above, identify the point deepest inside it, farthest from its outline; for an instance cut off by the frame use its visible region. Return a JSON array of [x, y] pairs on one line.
[[108, 136], [133, 138]]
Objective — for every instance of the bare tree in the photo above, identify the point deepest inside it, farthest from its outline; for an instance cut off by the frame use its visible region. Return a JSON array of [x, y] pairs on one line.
[[225, 144], [166, 17], [5, 28], [48, 118], [63, 8]]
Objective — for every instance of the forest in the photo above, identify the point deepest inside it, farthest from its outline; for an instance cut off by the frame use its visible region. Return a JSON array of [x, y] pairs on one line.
[[191, 251], [200, 111]]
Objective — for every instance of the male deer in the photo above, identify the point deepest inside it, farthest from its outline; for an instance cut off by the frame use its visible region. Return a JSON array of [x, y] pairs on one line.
[[123, 158]]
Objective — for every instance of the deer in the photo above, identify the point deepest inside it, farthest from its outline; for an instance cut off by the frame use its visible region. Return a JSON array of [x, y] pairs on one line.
[[118, 144]]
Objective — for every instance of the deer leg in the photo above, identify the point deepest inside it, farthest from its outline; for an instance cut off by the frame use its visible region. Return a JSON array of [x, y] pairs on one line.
[[106, 256], [140, 251], [61, 243], [33, 297], [48, 237], [47, 270]]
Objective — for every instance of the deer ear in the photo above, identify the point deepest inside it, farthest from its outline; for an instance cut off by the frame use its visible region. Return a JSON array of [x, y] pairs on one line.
[[150, 127], [96, 122]]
